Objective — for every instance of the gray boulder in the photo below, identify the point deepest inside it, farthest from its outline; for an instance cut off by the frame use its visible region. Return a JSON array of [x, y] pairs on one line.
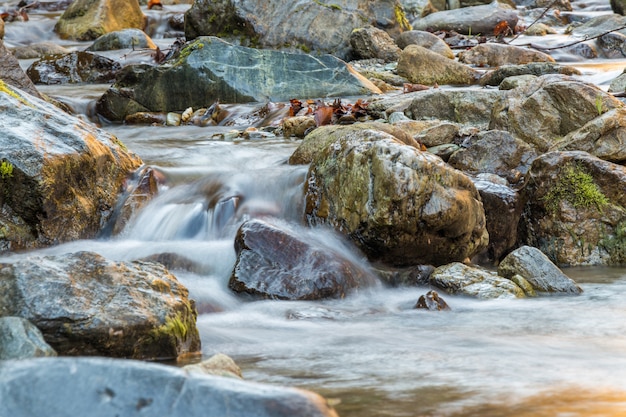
[[426, 40], [469, 20], [495, 77], [20, 339], [422, 66], [209, 69], [72, 68], [100, 387], [460, 279], [370, 42], [122, 39], [401, 206], [576, 209], [545, 110], [537, 269], [86, 20], [60, 177], [495, 55], [322, 27], [86, 305], [275, 260]]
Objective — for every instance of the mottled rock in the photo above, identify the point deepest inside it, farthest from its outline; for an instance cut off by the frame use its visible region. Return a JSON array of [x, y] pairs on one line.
[[12, 74], [420, 65], [460, 279], [496, 76], [431, 301], [401, 206], [537, 269], [122, 39], [39, 50], [495, 55], [74, 67], [62, 176], [426, 40], [20, 339], [542, 112], [576, 209], [515, 81], [604, 137], [221, 71], [86, 20], [298, 126], [476, 19], [86, 305], [100, 387], [494, 152], [275, 260], [218, 364], [370, 42], [440, 133]]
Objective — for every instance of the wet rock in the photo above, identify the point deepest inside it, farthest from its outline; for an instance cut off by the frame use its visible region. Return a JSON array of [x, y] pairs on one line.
[[87, 305], [494, 152], [618, 7], [39, 50], [612, 45], [460, 279], [426, 40], [401, 206], [122, 39], [232, 74], [87, 20], [503, 209], [431, 301], [218, 364], [604, 137], [420, 65], [549, 108], [61, 178], [576, 209], [12, 74], [495, 55], [470, 106], [418, 275], [315, 142], [537, 269], [600, 24], [75, 67], [100, 387], [20, 339], [469, 20], [298, 126], [322, 28], [496, 76], [276, 261], [371, 42], [141, 188]]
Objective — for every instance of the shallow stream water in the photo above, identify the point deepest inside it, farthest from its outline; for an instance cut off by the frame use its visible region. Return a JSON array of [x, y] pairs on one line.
[[371, 353]]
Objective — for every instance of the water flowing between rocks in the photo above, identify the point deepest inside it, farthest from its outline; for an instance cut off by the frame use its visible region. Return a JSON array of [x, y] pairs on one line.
[[371, 353]]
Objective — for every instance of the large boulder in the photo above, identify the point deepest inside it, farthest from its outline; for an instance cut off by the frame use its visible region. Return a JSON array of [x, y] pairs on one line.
[[100, 387], [11, 72], [72, 68], [495, 55], [401, 206], [86, 20], [537, 269], [322, 27], [20, 339], [60, 177], [210, 69], [460, 279], [420, 65], [87, 305], [543, 111], [275, 260], [604, 137], [370, 42], [576, 209], [474, 20]]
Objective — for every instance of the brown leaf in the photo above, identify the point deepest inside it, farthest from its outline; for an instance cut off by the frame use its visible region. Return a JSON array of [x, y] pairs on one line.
[[502, 29], [409, 88], [323, 115]]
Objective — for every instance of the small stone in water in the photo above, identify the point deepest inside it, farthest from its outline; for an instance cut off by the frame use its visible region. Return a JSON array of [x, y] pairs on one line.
[[431, 301], [186, 115], [172, 119]]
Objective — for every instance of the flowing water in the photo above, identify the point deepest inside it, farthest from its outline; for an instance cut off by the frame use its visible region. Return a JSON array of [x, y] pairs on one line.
[[371, 353]]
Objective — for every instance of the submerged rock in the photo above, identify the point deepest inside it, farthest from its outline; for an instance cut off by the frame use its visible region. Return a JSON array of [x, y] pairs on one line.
[[86, 305], [460, 279], [537, 269], [60, 177], [100, 387], [210, 69], [275, 261], [74, 67], [431, 301], [576, 209], [401, 206], [86, 20], [20, 339]]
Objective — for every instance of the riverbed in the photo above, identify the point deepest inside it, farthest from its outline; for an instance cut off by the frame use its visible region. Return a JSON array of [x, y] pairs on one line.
[[371, 354]]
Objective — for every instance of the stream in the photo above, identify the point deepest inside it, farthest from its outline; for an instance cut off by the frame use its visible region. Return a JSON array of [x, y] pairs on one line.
[[371, 354]]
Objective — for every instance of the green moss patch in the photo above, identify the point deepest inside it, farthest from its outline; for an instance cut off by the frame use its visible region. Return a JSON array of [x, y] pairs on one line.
[[576, 186]]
